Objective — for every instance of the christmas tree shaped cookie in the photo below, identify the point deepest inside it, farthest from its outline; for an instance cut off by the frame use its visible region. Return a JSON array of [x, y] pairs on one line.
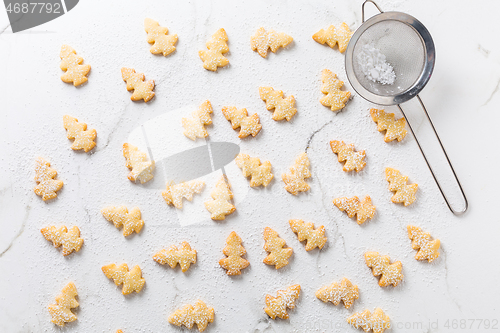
[[334, 97], [278, 253], [377, 322], [71, 63], [221, 205], [135, 81], [354, 160], [397, 183], [137, 161], [380, 265], [421, 241], [240, 119], [69, 240], [345, 291], [395, 129], [174, 193], [353, 206], [163, 43], [285, 299], [332, 36], [234, 263], [46, 186], [295, 180], [194, 126], [83, 138], [262, 41], [61, 311], [185, 256], [199, 314], [251, 167], [121, 217], [283, 107], [305, 232], [132, 280], [217, 46]]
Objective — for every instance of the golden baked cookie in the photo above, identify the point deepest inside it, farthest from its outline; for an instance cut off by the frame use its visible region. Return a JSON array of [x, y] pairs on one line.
[[194, 126], [121, 217], [69, 240], [334, 97], [332, 36], [278, 253], [251, 167], [421, 241], [283, 107], [240, 119], [137, 161], [199, 314], [363, 209], [132, 280], [234, 263], [77, 131], [380, 265], [184, 256], [163, 43], [46, 186], [305, 232], [403, 193], [378, 321], [221, 204], [217, 46], [174, 193], [262, 41], [395, 129], [135, 81], [345, 291], [61, 311], [71, 63], [295, 180], [354, 160], [285, 299]]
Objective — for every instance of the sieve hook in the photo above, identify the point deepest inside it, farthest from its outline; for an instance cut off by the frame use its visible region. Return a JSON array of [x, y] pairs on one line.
[[363, 9], [445, 154]]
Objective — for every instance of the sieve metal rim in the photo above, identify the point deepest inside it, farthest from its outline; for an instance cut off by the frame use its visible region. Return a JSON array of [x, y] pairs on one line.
[[418, 85]]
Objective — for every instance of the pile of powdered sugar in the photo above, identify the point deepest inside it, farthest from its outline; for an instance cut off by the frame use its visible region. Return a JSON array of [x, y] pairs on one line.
[[374, 65]]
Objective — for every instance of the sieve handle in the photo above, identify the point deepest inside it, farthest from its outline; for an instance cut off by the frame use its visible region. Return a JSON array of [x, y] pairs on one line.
[[466, 203], [363, 9]]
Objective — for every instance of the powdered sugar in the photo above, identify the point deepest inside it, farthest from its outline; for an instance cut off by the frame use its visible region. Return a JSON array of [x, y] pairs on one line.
[[374, 65]]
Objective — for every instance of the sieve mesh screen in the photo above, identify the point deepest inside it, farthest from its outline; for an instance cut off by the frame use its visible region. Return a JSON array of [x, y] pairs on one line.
[[404, 51]]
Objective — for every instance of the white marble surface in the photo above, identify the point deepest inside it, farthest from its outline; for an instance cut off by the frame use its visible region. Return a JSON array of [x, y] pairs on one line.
[[462, 98]]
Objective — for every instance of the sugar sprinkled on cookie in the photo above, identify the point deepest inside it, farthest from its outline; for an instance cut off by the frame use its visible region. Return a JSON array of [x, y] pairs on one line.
[[61, 311], [345, 292], [199, 314], [262, 41], [69, 240], [285, 299], [46, 186], [216, 46], [132, 280], [184, 256], [283, 107], [71, 63], [334, 97], [295, 179], [77, 131], [163, 43], [174, 193]]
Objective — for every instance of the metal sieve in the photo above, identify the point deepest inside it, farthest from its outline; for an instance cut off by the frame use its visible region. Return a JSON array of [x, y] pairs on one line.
[[409, 49]]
